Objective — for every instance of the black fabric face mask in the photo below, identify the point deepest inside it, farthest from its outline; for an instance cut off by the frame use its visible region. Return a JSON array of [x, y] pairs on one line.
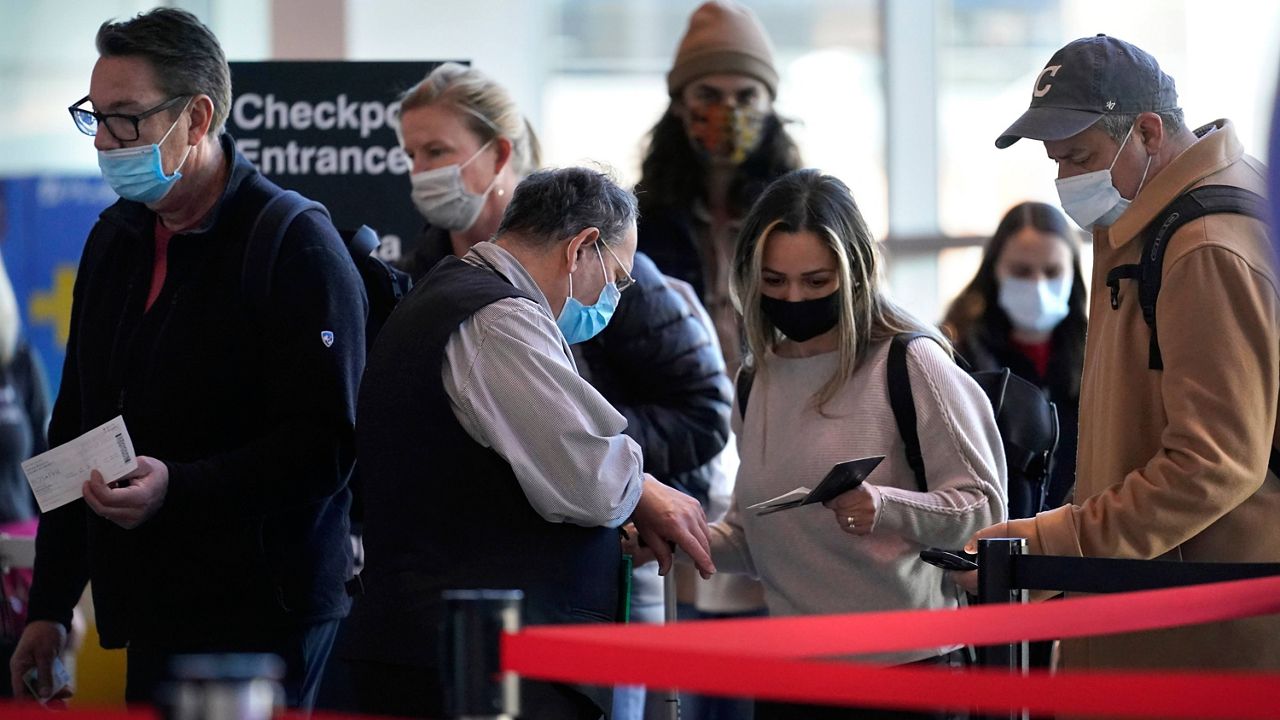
[[802, 319]]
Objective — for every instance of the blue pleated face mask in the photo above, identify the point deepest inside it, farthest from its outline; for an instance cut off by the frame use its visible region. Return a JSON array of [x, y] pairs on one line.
[[137, 173], [579, 322]]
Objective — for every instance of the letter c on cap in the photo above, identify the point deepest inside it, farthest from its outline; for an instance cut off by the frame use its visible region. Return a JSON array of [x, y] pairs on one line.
[[1040, 90]]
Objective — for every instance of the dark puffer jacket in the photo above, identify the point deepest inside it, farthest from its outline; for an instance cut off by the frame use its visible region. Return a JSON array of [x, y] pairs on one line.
[[656, 363]]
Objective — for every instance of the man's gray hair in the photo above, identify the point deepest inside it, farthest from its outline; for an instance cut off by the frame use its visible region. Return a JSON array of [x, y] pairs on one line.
[[1116, 126], [184, 56], [552, 205]]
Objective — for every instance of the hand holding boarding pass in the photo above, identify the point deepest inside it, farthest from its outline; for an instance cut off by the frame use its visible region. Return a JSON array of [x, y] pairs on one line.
[[57, 477]]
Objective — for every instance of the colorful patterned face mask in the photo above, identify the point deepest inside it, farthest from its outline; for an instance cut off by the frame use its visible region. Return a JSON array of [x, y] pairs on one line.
[[726, 133]]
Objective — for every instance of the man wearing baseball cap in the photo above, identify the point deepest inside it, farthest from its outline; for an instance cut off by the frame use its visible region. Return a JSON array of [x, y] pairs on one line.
[[1173, 455]]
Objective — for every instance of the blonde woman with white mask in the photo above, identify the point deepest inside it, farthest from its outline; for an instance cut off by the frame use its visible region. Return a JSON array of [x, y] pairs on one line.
[[1025, 310], [469, 147]]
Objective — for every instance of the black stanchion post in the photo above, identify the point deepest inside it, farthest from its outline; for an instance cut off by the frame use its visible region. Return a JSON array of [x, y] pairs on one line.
[[996, 584], [474, 686]]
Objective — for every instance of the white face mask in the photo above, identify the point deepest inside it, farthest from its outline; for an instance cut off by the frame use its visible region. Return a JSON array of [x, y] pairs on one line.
[[444, 200], [1035, 306], [1092, 199]]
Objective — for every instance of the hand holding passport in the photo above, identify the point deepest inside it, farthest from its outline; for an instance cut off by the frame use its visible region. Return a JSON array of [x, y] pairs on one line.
[[843, 477]]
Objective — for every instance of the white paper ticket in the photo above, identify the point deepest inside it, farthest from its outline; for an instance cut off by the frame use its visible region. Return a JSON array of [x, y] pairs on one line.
[[58, 475]]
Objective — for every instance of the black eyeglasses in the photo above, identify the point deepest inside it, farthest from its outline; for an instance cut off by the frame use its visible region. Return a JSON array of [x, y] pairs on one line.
[[122, 127]]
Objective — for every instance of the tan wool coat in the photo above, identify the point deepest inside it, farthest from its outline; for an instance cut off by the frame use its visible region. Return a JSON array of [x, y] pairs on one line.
[[1173, 463]]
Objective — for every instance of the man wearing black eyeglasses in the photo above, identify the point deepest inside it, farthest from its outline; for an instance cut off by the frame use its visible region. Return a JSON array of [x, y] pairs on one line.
[[231, 536]]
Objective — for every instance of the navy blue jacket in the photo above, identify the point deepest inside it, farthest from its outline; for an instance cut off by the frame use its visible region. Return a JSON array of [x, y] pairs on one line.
[[249, 407]]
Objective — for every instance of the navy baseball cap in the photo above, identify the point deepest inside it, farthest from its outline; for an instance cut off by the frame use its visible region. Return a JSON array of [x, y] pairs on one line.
[[1087, 79]]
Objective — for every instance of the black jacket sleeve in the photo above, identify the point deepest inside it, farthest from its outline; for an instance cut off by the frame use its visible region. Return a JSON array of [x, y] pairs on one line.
[[656, 363], [308, 451]]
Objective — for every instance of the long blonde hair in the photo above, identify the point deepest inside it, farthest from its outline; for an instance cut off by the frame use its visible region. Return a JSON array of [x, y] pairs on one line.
[[486, 106], [808, 201]]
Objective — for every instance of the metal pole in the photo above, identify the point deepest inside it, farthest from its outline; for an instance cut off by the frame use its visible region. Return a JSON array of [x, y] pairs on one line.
[[669, 617], [996, 585], [474, 621]]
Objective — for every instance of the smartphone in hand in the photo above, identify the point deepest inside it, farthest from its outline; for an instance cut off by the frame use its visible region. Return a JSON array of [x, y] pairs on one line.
[[955, 560]]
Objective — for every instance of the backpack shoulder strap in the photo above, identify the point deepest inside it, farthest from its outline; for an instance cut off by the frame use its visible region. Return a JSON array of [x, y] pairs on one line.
[[265, 237], [746, 378], [903, 403], [1193, 205]]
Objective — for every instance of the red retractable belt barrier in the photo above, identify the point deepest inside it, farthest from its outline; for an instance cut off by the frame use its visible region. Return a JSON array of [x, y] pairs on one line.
[[763, 658], [32, 711]]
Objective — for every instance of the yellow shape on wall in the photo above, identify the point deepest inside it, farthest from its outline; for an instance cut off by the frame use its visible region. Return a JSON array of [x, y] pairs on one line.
[[53, 308]]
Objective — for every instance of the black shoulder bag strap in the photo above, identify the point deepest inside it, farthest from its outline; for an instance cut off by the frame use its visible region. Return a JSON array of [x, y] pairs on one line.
[[746, 377], [1202, 201], [903, 404], [265, 238]]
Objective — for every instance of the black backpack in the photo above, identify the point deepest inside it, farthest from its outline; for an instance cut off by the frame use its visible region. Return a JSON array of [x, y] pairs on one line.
[[1027, 419], [1193, 205], [384, 285]]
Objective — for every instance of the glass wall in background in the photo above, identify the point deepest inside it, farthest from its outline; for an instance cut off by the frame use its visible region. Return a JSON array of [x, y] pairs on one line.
[[591, 76], [606, 87], [47, 54], [1223, 56]]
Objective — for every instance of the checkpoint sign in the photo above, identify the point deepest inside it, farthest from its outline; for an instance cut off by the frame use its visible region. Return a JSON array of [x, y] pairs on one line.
[[325, 129]]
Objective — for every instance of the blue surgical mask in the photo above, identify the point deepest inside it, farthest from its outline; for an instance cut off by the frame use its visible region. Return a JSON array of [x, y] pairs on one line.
[[1091, 199], [137, 173], [580, 323]]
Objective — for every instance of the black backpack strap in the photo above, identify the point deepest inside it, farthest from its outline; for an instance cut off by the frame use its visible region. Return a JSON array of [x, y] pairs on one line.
[[903, 404], [1193, 205], [1118, 273], [265, 237], [1202, 201], [746, 378]]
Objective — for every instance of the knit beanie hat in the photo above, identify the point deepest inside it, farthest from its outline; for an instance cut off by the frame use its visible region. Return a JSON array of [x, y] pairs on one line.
[[723, 37]]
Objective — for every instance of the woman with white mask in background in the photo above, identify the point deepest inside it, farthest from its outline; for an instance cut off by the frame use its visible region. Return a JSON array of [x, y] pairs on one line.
[[1026, 310], [469, 147]]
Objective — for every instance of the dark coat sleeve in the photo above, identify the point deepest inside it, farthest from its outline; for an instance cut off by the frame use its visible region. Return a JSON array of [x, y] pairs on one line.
[[656, 363]]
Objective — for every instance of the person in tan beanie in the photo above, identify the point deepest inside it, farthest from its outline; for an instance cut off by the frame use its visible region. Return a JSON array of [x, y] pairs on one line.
[[715, 149]]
